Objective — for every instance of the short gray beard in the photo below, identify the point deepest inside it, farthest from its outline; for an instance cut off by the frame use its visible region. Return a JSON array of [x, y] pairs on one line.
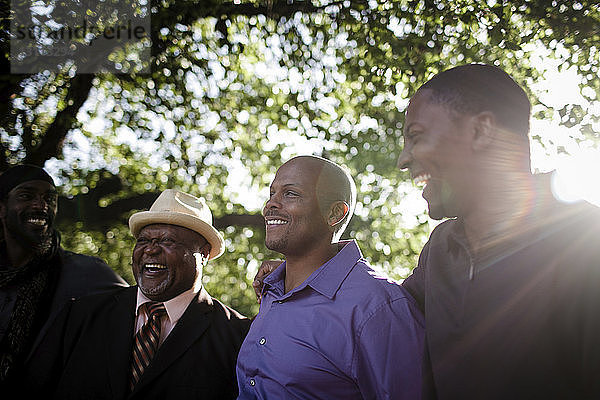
[[156, 290]]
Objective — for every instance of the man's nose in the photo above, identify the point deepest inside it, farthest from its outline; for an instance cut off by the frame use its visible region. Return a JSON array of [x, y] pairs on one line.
[[405, 159], [152, 246], [40, 203], [272, 203]]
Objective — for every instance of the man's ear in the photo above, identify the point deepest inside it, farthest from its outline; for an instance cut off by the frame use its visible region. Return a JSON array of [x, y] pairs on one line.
[[337, 212], [204, 252], [484, 129]]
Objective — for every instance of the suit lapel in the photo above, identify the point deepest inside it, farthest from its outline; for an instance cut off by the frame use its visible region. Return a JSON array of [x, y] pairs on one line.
[[193, 323], [119, 341]]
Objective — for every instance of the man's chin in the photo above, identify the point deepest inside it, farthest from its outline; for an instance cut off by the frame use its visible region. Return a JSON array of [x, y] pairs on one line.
[[41, 245], [435, 215], [438, 212], [153, 293], [276, 245]]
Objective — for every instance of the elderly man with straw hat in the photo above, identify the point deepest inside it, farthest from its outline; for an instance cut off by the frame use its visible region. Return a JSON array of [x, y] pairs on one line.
[[165, 338]]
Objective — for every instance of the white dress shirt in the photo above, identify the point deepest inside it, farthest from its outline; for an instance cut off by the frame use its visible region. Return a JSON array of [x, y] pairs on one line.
[[175, 309]]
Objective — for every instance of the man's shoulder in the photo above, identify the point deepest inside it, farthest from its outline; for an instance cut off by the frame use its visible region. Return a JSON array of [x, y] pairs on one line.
[[572, 224], [445, 228], [371, 286], [81, 260], [98, 309], [227, 312], [103, 299], [577, 213], [373, 296], [229, 319], [89, 271]]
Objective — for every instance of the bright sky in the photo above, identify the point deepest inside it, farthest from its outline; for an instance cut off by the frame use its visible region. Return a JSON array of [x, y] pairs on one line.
[[578, 172]]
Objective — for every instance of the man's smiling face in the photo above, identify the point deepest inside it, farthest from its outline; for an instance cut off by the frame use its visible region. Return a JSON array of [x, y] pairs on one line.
[[28, 213], [437, 151], [164, 260], [294, 222]]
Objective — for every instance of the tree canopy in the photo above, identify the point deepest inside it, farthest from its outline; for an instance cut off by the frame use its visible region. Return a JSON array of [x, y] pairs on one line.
[[236, 88]]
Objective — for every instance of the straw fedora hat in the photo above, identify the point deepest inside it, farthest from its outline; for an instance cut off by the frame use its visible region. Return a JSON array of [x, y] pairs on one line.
[[177, 208]]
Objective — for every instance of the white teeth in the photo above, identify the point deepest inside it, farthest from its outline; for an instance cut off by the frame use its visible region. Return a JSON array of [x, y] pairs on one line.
[[156, 266], [422, 179], [276, 222], [35, 221]]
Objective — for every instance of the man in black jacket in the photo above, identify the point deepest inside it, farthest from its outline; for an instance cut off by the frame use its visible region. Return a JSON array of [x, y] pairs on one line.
[[510, 284], [37, 277], [165, 338]]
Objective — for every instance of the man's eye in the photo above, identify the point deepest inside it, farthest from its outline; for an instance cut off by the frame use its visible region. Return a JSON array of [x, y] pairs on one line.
[[167, 241], [414, 135], [289, 193], [24, 196]]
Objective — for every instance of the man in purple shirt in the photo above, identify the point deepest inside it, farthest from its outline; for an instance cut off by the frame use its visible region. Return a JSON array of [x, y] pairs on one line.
[[329, 326]]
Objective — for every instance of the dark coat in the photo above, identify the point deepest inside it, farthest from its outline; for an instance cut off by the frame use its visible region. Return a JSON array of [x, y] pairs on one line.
[[78, 275], [197, 359], [521, 320]]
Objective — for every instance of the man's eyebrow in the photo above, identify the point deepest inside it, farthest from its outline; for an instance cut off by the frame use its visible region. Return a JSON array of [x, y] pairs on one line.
[[291, 185], [286, 185], [410, 125]]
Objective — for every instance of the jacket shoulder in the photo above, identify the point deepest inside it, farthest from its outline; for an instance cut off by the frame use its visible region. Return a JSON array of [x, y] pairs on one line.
[[93, 274], [98, 301], [231, 317]]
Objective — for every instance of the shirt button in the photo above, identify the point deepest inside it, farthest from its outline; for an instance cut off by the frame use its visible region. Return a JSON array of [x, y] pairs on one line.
[[252, 382], [262, 340]]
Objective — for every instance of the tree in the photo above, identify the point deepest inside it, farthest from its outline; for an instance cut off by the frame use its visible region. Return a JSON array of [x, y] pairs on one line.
[[232, 84]]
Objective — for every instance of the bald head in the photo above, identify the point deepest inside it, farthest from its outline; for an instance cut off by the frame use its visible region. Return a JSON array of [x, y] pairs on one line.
[[332, 184]]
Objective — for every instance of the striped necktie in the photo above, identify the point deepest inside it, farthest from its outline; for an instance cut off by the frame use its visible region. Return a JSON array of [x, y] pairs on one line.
[[146, 341]]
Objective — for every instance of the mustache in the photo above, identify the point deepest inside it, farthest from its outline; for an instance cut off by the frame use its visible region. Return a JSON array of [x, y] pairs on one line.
[[41, 215], [274, 214]]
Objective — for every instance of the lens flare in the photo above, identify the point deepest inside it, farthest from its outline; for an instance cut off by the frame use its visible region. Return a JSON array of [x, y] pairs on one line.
[[578, 178]]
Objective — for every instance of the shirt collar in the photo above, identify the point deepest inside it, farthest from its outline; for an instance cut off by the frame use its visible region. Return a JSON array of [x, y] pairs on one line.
[[327, 279], [275, 281], [175, 307]]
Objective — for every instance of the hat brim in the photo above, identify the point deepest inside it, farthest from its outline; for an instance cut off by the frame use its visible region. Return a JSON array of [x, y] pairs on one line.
[[141, 219]]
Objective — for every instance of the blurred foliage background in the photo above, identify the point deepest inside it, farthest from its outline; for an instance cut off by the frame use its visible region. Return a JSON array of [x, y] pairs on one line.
[[236, 88]]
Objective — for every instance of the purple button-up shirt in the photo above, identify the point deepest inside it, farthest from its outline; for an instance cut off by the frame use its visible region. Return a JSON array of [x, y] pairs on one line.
[[347, 332]]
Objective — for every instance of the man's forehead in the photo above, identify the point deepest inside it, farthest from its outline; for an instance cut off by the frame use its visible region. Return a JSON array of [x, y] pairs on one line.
[[421, 108], [160, 230], [420, 98], [411, 112], [35, 185]]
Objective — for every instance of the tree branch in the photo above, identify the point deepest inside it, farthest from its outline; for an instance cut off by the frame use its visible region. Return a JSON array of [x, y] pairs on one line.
[[51, 142], [85, 208]]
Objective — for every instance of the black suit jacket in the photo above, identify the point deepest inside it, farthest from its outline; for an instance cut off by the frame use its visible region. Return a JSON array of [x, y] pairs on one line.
[[197, 359], [78, 276]]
